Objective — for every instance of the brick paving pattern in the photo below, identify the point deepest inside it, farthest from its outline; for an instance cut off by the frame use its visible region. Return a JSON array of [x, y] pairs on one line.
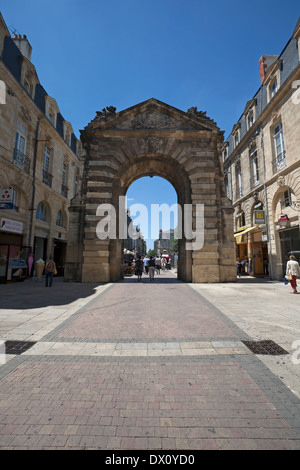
[[222, 399]]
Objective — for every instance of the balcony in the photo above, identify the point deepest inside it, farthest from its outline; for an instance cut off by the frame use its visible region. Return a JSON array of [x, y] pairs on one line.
[[47, 178], [279, 162], [64, 190], [21, 161]]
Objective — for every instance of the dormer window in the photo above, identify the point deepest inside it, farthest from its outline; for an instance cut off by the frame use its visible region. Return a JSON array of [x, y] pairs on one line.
[[236, 139], [225, 152], [274, 88], [250, 119]]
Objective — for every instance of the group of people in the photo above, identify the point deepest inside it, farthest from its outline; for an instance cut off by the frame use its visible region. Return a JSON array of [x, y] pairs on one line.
[[150, 266]]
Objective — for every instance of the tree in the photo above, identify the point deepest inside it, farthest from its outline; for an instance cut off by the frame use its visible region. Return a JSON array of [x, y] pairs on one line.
[[151, 253]]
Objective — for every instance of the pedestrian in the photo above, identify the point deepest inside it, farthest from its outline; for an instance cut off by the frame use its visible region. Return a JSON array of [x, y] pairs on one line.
[[292, 272], [238, 267], [157, 265], [151, 265], [50, 269], [146, 262], [139, 268]]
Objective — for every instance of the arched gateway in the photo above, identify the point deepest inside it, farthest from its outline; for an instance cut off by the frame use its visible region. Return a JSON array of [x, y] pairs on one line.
[[152, 138]]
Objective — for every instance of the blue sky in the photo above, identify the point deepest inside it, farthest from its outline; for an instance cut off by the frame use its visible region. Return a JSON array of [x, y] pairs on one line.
[[95, 53]]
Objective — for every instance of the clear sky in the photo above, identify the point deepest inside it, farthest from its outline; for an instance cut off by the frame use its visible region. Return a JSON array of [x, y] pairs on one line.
[[90, 54]]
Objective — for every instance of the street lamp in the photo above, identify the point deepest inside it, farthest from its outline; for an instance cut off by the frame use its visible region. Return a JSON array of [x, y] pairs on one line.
[[283, 221]]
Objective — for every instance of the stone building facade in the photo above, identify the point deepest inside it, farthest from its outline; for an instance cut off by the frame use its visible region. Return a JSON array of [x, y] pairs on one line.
[[39, 164], [261, 160], [151, 139]]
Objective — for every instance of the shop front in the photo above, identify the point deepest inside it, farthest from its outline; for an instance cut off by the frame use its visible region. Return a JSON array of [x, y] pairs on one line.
[[251, 249], [13, 255]]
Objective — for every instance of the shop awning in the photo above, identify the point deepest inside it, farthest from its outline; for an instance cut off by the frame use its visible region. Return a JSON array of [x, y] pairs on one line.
[[238, 235]]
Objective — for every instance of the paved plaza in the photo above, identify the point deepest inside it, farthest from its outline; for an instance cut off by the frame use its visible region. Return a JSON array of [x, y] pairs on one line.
[[149, 366]]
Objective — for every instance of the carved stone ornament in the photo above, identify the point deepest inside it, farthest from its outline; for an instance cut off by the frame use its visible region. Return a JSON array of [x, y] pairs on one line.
[[25, 113], [109, 111], [252, 143], [150, 144], [281, 181], [193, 111]]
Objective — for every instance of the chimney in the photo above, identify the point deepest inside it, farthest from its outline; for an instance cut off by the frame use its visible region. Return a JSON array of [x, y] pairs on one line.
[[23, 45], [264, 63]]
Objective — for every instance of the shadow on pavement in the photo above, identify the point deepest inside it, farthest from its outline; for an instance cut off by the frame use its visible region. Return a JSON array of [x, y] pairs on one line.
[[255, 280], [32, 293]]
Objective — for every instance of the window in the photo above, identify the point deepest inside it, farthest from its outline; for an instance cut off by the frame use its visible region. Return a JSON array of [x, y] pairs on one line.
[[236, 139], [254, 167], [225, 153], [279, 147], [19, 158], [64, 187], [274, 88], [250, 119], [226, 186], [41, 212], [240, 220], [47, 177], [60, 219], [238, 179], [287, 198]]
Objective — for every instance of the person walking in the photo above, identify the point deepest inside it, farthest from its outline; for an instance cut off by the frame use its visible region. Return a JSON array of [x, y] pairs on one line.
[[146, 264], [151, 266], [292, 272], [238, 267], [50, 269], [139, 268], [157, 265]]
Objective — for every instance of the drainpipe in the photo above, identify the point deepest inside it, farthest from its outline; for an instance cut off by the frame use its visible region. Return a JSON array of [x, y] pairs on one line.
[[33, 183]]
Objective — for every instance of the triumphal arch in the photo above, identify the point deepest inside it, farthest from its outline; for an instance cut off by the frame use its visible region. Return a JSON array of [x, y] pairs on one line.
[[151, 139]]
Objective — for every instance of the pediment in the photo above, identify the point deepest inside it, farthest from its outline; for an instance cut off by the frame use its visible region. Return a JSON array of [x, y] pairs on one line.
[[152, 115]]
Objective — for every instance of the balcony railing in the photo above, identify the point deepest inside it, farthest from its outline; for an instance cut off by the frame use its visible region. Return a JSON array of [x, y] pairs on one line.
[[47, 178], [279, 162], [21, 161], [64, 190]]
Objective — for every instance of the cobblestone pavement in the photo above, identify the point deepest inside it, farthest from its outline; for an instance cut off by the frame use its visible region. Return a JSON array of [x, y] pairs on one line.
[[155, 366]]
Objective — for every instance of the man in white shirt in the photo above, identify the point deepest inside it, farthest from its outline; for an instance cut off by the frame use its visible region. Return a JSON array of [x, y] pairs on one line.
[[146, 261]]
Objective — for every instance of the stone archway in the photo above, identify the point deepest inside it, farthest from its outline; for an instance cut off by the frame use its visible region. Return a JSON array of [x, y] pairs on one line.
[[152, 138]]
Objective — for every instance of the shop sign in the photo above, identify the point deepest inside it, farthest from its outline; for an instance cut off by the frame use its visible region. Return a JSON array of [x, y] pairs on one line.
[[8, 225], [6, 198], [259, 217]]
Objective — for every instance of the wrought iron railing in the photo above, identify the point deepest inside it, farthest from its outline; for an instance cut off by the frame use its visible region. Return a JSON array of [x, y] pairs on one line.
[[279, 162], [47, 178], [21, 161], [64, 190]]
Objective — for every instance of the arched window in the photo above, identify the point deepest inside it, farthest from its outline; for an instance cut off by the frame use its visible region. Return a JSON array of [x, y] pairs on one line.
[[41, 212]]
